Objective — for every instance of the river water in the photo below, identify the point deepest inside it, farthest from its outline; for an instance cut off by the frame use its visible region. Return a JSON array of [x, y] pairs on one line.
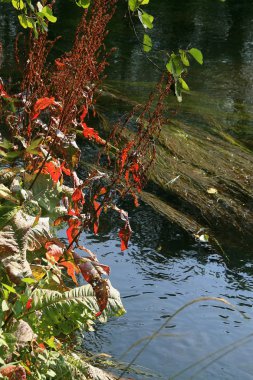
[[164, 269]]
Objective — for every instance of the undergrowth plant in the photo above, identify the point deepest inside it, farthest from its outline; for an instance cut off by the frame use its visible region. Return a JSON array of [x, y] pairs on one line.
[[43, 304]]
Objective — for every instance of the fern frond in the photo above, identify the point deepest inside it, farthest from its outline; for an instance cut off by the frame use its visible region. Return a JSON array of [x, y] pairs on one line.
[[73, 309]]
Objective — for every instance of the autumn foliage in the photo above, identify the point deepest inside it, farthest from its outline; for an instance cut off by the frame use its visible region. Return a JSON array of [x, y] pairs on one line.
[[44, 120]]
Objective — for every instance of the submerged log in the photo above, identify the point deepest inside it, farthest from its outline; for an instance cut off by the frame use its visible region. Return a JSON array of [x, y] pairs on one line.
[[202, 180]]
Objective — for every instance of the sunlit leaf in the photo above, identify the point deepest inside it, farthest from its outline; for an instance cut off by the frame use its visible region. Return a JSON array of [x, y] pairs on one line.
[[6, 214], [91, 134], [197, 55], [28, 280], [73, 229], [40, 105], [47, 12], [18, 4], [184, 84], [54, 255], [146, 19], [133, 5], [83, 3], [38, 271], [184, 57], [9, 288], [53, 169], [5, 193]]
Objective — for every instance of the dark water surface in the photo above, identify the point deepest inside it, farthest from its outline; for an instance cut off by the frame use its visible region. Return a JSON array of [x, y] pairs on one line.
[[163, 269]]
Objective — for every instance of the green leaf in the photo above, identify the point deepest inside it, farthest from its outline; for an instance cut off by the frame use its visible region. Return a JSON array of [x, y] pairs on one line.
[[18, 4], [23, 21], [133, 5], [169, 66], [6, 214], [83, 3], [6, 144], [5, 193], [9, 288], [184, 58], [30, 23], [32, 148], [197, 55], [28, 280], [51, 342], [46, 193], [174, 66], [147, 43], [146, 19], [73, 309], [1, 360], [184, 84], [47, 12]]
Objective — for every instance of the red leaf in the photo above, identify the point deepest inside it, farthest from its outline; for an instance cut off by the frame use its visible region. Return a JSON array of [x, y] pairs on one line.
[[71, 270], [41, 346], [40, 105], [61, 219], [65, 170], [105, 269], [101, 290], [78, 195], [124, 154], [124, 235], [53, 170], [60, 65], [3, 92], [55, 253], [84, 113], [98, 210], [93, 277], [29, 304], [102, 191], [73, 229], [91, 134], [136, 201]]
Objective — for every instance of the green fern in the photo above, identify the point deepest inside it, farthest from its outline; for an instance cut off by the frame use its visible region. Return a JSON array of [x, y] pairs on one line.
[[71, 310]]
